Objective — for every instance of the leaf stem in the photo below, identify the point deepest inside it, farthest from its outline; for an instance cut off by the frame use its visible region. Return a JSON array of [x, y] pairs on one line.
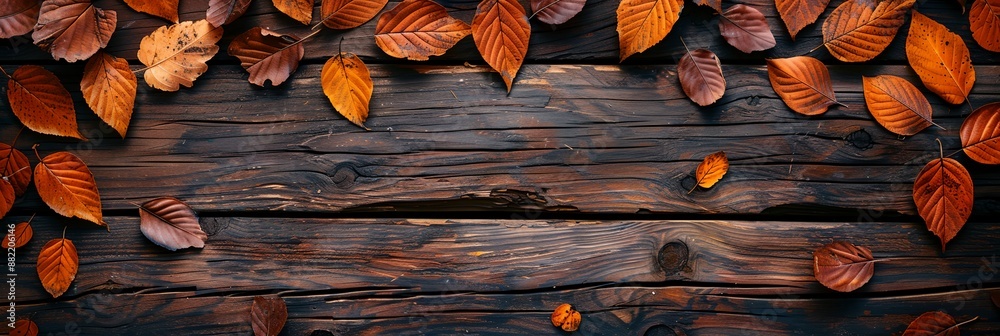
[[5, 72], [35, 148], [64, 232], [32, 217], [18, 135], [816, 48], [543, 8], [940, 147], [970, 320]]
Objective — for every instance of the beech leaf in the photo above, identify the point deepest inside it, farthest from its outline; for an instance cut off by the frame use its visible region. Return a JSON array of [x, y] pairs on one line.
[[984, 21], [798, 14], [171, 223], [501, 31], [980, 134], [18, 17], [348, 85], [22, 234], [109, 87], [859, 30], [935, 323], [943, 195], [57, 266], [41, 102], [418, 29], [940, 58], [803, 83], [24, 327], [15, 167], [714, 4], [268, 315], [701, 76], [267, 55], [347, 14], [223, 12], [644, 23], [67, 186], [842, 266], [897, 105], [6, 197], [175, 55], [300, 10], [166, 9], [746, 28], [556, 11], [711, 170], [73, 29]]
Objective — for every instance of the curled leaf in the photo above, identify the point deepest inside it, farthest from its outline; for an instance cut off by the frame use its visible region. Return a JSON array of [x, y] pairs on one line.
[[897, 105], [268, 315], [267, 55], [711, 170], [566, 318], [798, 14], [746, 28], [15, 167], [803, 83], [943, 194], [347, 14], [556, 11], [940, 58], [223, 12], [166, 9], [501, 31], [18, 17], [980, 134], [842, 266], [73, 29], [935, 323], [984, 21], [701, 76], [57, 266], [418, 29], [175, 55], [109, 87], [300, 10], [66, 185], [348, 85], [171, 223], [644, 23], [41, 102], [859, 30]]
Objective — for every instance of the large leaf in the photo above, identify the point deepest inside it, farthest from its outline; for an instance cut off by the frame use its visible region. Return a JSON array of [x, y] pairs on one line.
[[803, 83], [171, 223], [556, 11], [348, 85], [223, 12], [798, 14], [984, 21], [644, 23], [109, 87], [57, 266], [18, 17], [175, 55], [347, 14], [300, 10], [746, 28], [981, 134], [859, 30], [268, 315], [267, 55], [701, 76], [897, 105], [67, 186], [711, 170], [940, 58], [418, 29], [73, 29], [842, 266], [41, 102], [15, 167], [935, 323], [943, 194], [166, 9], [501, 31]]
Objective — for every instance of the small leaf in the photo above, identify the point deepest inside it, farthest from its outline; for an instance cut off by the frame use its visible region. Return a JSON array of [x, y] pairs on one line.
[[24, 327], [347, 14], [556, 11], [935, 323], [714, 4], [803, 83], [940, 58], [223, 12], [859, 30], [501, 31], [943, 194], [73, 29], [57, 266], [300, 10], [701, 76], [984, 21], [842, 266], [18, 17], [980, 134], [897, 105], [268, 315], [267, 55], [166, 9], [175, 55], [348, 85], [14, 165], [22, 234], [109, 87], [566, 318], [66, 185], [418, 29], [41, 102], [798, 14], [746, 28], [171, 223], [6, 197], [644, 23], [711, 170]]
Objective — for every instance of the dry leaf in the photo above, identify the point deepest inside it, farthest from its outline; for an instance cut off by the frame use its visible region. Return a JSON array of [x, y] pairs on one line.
[[268, 315], [18, 17], [66, 185], [943, 194], [644, 23], [418, 29], [897, 105], [57, 266], [73, 29], [348, 85], [175, 55], [566, 318], [501, 31], [6, 197], [711, 170], [746, 28], [15, 168], [267, 55], [803, 83], [223, 12], [109, 87], [798, 14], [171, 223], [22, 234], [934, 323], [701, 76], [842, 266], [41, 102], [24, 327], [166, 9], [300, 10], [714, 4], [347, 14], [859, 30], [940, 58], [980, 134], [984, 21], [556, 11]]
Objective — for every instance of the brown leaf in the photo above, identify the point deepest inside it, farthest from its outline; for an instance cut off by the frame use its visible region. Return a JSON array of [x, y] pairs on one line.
[[940, 58], [41, 102], [943, 194], [223, 12], [701, 76], [418, 29], [859, 30], [6, 197], [842, 266], [711, 170], [171, 223], [803, 83], [22, 234], [798, 14], [501, 31], [897, 105], [175, 55], [980, 134], [267, 55], [348, 85], [347, 14], [566, 318], [109, 87], [644, 23], [166, 9], [57, 266], [556, 11], [714, 4], [24, 327], [66, 185], [935, 323], [73, 29], [268, 315], [300, 10], [984, 21], [746, 28], [15, 167], [18, 17]]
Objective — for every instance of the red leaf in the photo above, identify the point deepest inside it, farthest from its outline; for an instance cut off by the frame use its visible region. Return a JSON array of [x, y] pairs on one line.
[[943, 194], [934, 323], [418, 29], [15, 167], [41, 102], [223, 12], [18, 17], [842, 266], [501, 31], [746, 28], [66, 185], [556, 11], [701, 76], [798, 14], [171, 223], [980, 134], [267, 55], [24, 327], [268, 315], [73, 29]]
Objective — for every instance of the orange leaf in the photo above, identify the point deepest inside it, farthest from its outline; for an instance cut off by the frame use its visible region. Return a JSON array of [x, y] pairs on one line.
[[803, 83], [943, 194], [746, 28], [41, 102], [175, 55], [940, 58], [66, 185], [22, 234], [171, 223], [556, 11], [267, 55], [897, 105], [714, 4], [934, 323], [268, 315], [18, 17], [109, 88], [501, 31], [644, 23], [798, 14], [73, 29], [223, 12], [57, 266], [348, 85], [418, 29], [859, 30], [24, 327], [566, 318], [984, 21], [842, 266], [980, 134], [300, 10], [711, 170], [15, 167], [6, 197], [166, 9], [701, 76], [347, 14]]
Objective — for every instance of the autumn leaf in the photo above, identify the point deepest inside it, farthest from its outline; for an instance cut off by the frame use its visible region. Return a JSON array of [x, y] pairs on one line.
[[18, 17], [842, 266], [803, 83], [41, 102], [166, 9], [268, 315], [348, 85], [66, 185], [57, 266], [859, 30], [980, 134], [501, 32], [556, 11], [940, 58], [267, 55], [300, 10], [223, 12], [566, 318], [347, 14], [175, 55], [701, 76], [24, 327], [984, 21], [15, 167], [710, 170], [171, 223], [714, 4], [109, 87], [897, 105], [746, 28], [798, 14], [418, 29], [644, 23], [943, 195], [935, 323], [22, 233], [73, 29], [6, 197]]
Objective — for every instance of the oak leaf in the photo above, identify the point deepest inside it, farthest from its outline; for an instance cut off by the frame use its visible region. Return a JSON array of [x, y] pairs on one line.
[[943, 194], [418, 29], [15, 168], [268, 315], [711, 170], [935, 323], [859, 30], [746, 28], [347, 14], [803, 83], [57, 266], [984, 21], [644, 23], [166, 9], [223, 12], [501, 32], [700, 74], [267, 55], [175, 55], [714, 4], [980, 134], [24, 327], [842, 266], [41, 102], [109, 87], [67, 186], [300, 10], [18, 17], [73, 29], [348, 84], [940, 58], [897, 105], [566, 318], [798, 14], [556, 11], [171, 223]]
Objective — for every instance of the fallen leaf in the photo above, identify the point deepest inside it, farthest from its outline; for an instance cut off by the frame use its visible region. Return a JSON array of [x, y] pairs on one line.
[[644, 23], [700, 74], [300, 10], [980, 134], [556, 11], [714, 4], [803, 83], [66, 185], [73, 29], [267, 55], [6, 197], [711, 170], [859, 30], [842, 266], [24, 327], [175, 55], [566, 318], [798, 14], [41, 102], [348, 85], [268, 315], [746, 28], [940, 58], [897, 105], [15, 167], [943, 195], [984, 21], [223, 12], [57, 266], [22, 234], [109, 87], [935, 323], [171, 223], [418, 29], [166, 9], [18, 17], [501, 32], [347, 14]]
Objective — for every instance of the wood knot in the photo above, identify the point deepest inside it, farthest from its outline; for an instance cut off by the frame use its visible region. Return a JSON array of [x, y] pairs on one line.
[[344, 175], [662, 330], [673, 257], [860, 139]]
